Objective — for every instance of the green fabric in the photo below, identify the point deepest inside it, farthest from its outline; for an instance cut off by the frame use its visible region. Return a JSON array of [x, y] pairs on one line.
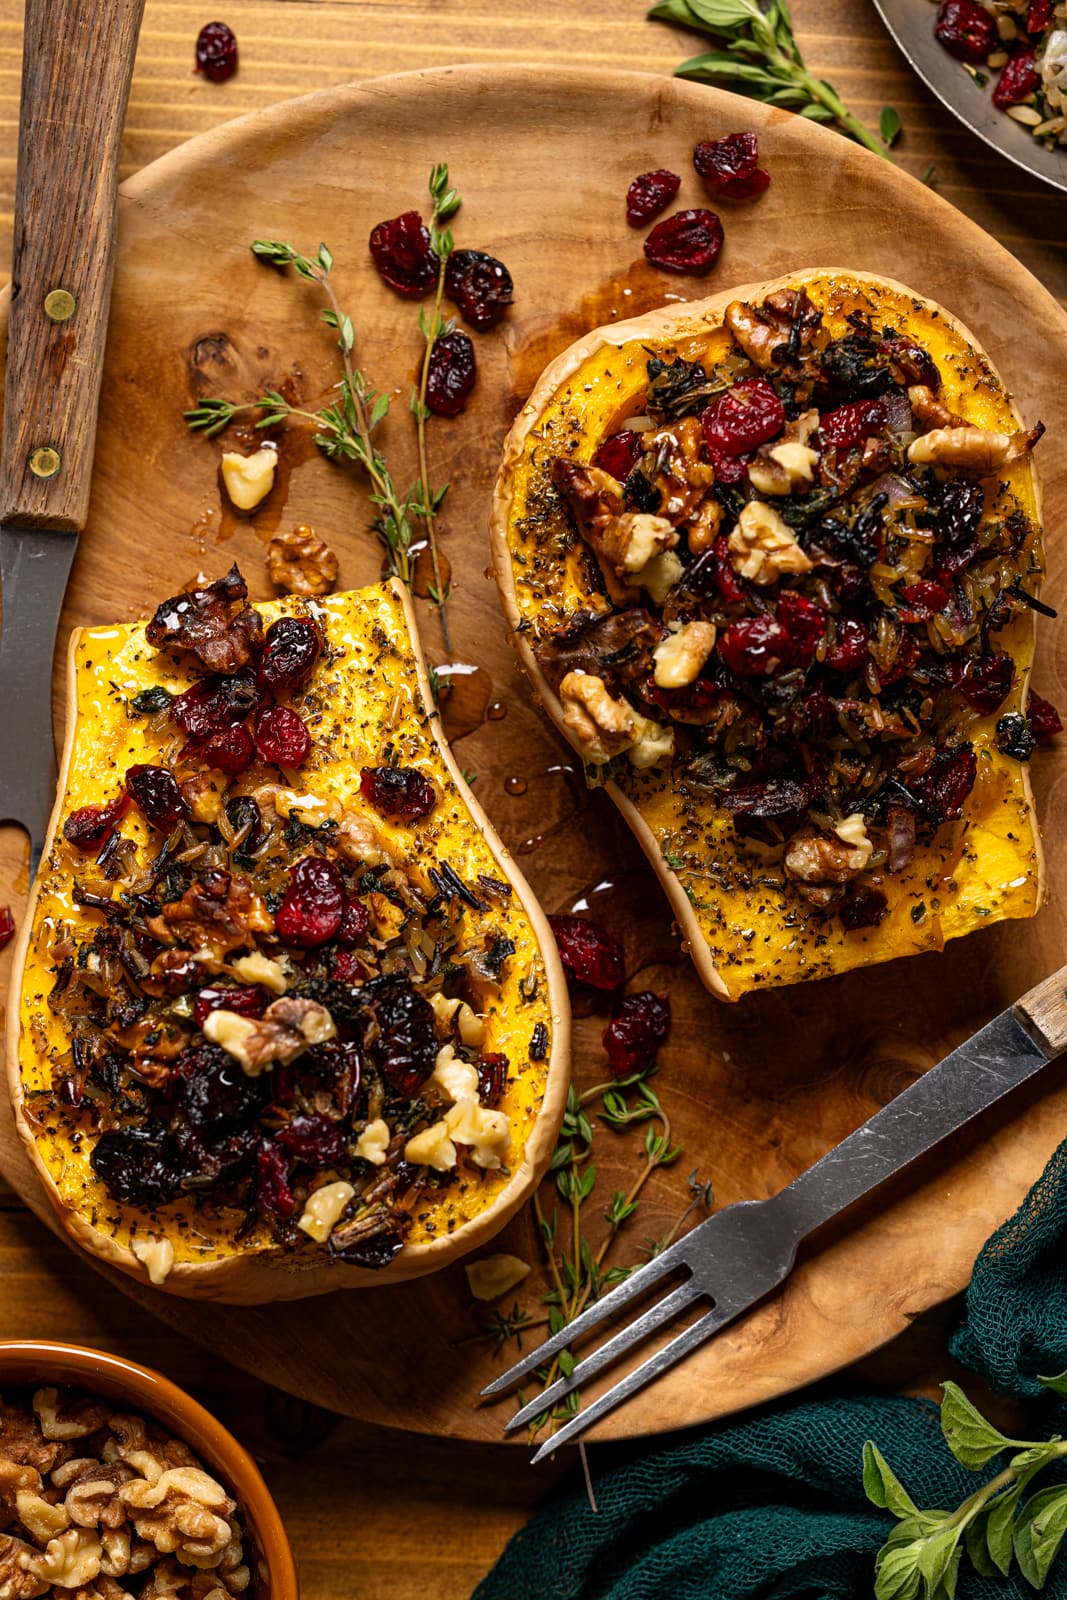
[[771, 1507]]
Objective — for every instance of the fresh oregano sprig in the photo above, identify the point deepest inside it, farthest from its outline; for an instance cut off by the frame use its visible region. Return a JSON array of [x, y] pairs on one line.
[[345, 430], [761, 59], [922, 1557]]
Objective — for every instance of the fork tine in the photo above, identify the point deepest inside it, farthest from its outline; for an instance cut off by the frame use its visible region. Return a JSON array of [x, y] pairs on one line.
[[637, 1283], [632, 1334], [661, 1362]]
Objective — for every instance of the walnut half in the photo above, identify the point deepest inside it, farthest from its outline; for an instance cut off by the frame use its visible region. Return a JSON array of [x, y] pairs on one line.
[[300, 563]]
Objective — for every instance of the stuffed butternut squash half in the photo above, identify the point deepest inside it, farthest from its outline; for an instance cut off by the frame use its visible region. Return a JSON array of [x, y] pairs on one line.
[[289, 1020], [771, 560]]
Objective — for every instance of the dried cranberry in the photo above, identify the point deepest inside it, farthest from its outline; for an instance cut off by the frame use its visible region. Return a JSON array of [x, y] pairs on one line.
[[345, 967], [274, 1192], [649, 194], [730, 167], [729, 469], [398, 792], [404, 256], [138, 1166], [314, 904], [1015, 736], [851, 424], [209, 1090], [213, 704], [862, 907], [588, 952], [90, 826], [689, 243], [1018, 79], [804, 623], [947, 784], [754, 646], [155, 792], [354, 923], [316, 1141], [848, 653], [1044, 719], [291, 650], [1039, 15], [747, 415], [619, 454], [480, 286], [640, 1025], [986, 681], [727, 582], [401, 1040], [247, 1001], [7, 925], [774, 798], [966, 30], [492, 1077], [451, 375], [230, 751], [281, 737], [922, 600], [959, 515], [216, 52]]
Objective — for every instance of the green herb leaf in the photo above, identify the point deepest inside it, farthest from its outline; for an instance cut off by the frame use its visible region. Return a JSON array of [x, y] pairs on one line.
[[882, 1486], [972, 1440], [1057, 1383], [1039, 1532], [998, 1528], [890, 125], [897, 1574]]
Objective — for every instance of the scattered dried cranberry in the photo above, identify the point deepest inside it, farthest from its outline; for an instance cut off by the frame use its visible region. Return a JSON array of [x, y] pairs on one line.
[[155, 792], [314, 904], [401, 1040], [729, 469], [354, 923], [1018, 78], [7, 926], [804, 623], [213, 704], [210, 1091], [291, 650], [345, 967], [745, 416], [138, 1166], [216, 52], [754, 646], [649, 194], [966, 30], [451, 375], [492, 1077], [315, 1140], [281, 736], [1015, 736], [400, 792], [1044, 719], [640, 1025], [959, 515], [230, 751], [90, 826], [922, 600], [985, 681], [1039, 15], [863, 907], [274, 1193], [247, 1001], [730, 167], [404, 256], [689, 242], [727, 582], [619, 454], [588, 952], [851, 424], [480, 286], [949, 781], [848, 653]]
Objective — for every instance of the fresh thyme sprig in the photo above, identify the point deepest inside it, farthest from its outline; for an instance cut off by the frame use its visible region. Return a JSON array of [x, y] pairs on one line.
[[345, 430], [761, 59], [921, 1558]]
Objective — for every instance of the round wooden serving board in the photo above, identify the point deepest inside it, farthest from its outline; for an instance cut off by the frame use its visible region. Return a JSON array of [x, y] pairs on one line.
[[758, 1091]]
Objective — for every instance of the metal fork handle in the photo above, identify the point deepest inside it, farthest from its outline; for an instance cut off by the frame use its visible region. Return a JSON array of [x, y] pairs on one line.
[[1006, 1053]]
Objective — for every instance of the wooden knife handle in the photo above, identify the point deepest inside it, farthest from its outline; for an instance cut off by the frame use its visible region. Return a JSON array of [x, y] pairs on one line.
[[76, 69], [1043, 1012]]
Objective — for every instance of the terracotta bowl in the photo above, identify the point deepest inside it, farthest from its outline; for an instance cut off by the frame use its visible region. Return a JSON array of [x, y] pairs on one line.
[[41, 1362]]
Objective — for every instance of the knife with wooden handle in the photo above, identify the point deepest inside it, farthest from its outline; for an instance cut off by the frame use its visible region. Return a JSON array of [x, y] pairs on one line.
[[76, 70]]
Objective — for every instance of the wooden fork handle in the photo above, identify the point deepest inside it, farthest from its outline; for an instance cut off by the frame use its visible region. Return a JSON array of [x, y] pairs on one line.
[[1043, 1012], [76, 69]]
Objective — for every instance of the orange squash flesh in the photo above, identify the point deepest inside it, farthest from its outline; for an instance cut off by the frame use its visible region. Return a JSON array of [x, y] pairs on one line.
[[746, 924]]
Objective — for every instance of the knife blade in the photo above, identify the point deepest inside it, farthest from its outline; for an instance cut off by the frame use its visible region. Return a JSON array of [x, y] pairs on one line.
[[77, 66]]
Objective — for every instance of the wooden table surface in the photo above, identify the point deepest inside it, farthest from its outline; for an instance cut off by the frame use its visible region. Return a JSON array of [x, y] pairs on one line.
[[372, 1512]]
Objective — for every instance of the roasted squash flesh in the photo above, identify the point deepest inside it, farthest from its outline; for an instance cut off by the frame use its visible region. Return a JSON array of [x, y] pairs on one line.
[[444, 949], [731, 539]]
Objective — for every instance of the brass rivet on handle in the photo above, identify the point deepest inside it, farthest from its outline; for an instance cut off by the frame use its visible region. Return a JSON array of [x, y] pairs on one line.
[[45, 461], [59, 305]]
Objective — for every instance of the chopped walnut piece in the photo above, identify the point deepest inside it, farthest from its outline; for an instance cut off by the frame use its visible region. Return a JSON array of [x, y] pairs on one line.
[[634, 539], [758, 337], [819, 864], [212, 622], [217, 914], [680, 656], [69, 1560], [929, 410], [183, 1513], [22, 1442], [682, 475], [326, 1206], [40, 1517], [79, 1419], [300, 563], [785, 467], [16, 1479], [982, 451], [594, 499], [762, 547], [603, 726], [17, 1580], [93, 1500], [359, 839], [249, 479], [704, 528], [286, 1029]]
